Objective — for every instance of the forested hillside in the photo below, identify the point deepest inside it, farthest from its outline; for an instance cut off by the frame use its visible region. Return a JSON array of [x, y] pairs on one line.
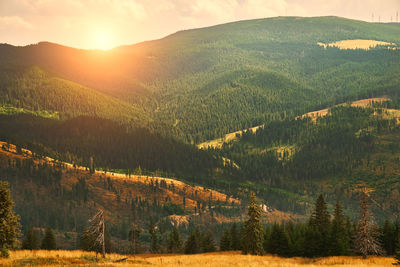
[[141, 109], [334, 154], [201, 84], [51, 193], [287, 162], [35, 89]]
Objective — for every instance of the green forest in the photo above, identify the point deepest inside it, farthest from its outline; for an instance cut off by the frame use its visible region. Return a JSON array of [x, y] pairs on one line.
[[142, 109], [200, 84]]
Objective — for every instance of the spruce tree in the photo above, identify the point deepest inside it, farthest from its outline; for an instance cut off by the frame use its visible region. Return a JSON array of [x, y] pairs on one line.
[[253, 231], [31, 240], [389, 238], [9, 222], [235, 237], [279, 241], [207, 242], [134, 240], [339, 239], [226, 241], [174, 243], [154, 245], [320, 219], [49, 240], [192, 245], [320, 222]]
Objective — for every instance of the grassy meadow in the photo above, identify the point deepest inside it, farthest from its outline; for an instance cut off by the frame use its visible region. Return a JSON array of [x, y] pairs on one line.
[[81, 258]]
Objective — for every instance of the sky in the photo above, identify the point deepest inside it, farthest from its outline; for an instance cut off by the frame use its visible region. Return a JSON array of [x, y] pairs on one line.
[[103, 24]]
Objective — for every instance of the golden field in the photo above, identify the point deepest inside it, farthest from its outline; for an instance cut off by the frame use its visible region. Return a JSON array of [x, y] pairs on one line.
[[80, 258], [356, 44]]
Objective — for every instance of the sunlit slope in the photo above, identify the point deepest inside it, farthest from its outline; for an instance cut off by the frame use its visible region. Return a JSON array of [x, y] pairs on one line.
[[333, 153], [64, 195], [211, 81], [36, 90], [314, 115]]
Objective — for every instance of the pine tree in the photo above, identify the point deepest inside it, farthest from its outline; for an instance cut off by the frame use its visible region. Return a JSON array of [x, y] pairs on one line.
[[96, 237], [9, 222], [49, 240], [279, 241], [134, 240], [226, 241], [154, 245], [389, 238], [174, 243], [312, 242], [235, 237], [30, 241], [366, 238], [339, 239], [320, 219], [192, 245], [253, 231], [207, 243], [320, 222]]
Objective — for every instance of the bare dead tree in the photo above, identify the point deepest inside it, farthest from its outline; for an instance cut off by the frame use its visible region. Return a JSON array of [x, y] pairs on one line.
[[366, 242], [95, 232]]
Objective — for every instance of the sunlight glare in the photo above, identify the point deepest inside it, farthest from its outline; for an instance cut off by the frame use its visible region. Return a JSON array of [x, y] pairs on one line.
[[103, 40]]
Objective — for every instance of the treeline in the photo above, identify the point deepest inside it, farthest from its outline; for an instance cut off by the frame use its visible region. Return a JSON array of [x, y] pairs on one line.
[[323, 235], [31, 240]]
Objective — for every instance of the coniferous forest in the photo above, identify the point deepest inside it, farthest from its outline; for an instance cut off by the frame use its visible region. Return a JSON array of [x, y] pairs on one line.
[[100, 150]]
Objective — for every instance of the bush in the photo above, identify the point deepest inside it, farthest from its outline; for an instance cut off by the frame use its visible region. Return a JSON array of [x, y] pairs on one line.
[[4, 253]]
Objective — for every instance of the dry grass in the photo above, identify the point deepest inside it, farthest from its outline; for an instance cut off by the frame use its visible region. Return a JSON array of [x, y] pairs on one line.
[[217, 143], [359, 103], [356, 44], [80, 258]]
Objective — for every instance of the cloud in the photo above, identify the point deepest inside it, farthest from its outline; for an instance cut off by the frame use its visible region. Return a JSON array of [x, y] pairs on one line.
[[15, 23]]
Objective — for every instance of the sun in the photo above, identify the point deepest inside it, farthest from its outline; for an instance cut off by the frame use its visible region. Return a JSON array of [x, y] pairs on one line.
[[103, 40]]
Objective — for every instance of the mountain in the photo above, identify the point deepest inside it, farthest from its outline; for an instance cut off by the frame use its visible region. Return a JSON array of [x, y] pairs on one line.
[[203, 83], [140, 109]]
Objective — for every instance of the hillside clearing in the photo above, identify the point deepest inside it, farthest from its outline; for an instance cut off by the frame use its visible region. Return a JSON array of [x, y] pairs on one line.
[[217, 143], [359, 103], [356, 44], [81, 258]]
